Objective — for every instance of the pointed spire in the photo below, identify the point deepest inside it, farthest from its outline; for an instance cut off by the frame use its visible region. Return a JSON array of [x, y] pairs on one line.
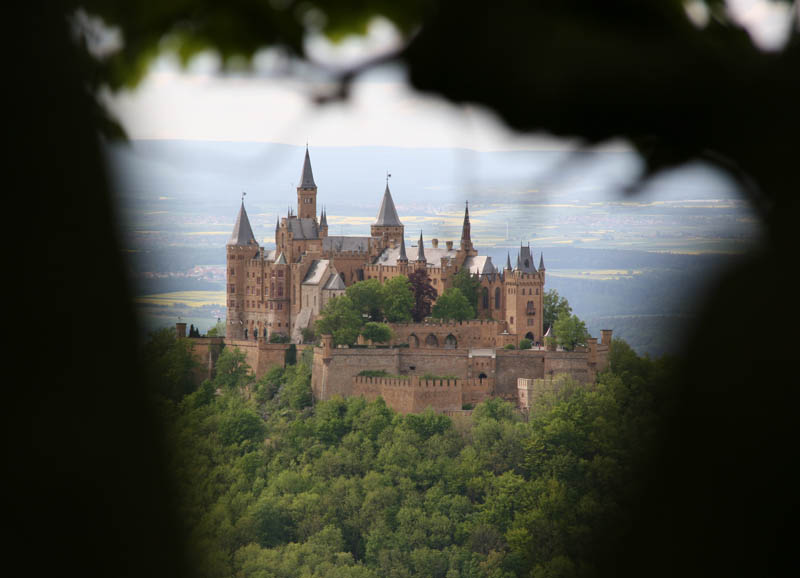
[[541, 262], [402, 257], [387, 214], [242, 232], [323, 222], [508, 260], [519, 264], [420, 249], [307, 176], [466, 240], [277, 223]]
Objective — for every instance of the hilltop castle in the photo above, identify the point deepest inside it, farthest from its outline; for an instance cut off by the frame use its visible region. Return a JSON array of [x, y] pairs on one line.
[[282, 291], [447, 365]]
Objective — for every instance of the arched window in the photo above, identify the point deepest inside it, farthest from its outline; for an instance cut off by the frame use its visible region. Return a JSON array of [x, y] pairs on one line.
[[485, 297], [450, 342], [413, 340], [497, 298], [431, 341], [482, 376]]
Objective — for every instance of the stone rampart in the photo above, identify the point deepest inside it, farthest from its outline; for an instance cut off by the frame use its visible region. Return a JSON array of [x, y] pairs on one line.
[[414, 394], [448, 334]]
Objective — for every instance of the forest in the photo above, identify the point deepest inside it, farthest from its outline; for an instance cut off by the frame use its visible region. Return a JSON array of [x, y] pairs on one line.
[[272, 484]]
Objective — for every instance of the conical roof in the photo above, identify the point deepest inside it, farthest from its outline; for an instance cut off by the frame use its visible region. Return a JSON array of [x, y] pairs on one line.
[[541, 262], [420, 249], [387, 215], [323, 222], [242, 232], [508, 260], [281, 260], [307, 176], [402, 256]]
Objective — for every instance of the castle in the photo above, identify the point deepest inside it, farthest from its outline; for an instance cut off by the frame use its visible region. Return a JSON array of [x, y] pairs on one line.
[[445, 365], [282, 291]]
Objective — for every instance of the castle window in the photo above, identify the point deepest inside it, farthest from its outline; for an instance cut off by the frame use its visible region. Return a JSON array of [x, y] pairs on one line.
[[512, 320], [232, 271], [497, 298], [232, 289]]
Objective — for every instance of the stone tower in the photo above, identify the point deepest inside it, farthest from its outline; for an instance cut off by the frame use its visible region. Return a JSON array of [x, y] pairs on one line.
[[241, 247], [388, 225], [307, 192], [466, 246]]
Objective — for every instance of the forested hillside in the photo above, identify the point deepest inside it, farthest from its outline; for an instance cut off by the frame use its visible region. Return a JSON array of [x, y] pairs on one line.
[[271, 484]]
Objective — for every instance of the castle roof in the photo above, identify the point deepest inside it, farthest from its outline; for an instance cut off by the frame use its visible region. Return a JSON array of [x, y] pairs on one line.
[[480, 265], [316, 272], [323, 220], [420, 249], [525, 261], [541, 263], [338, 243], [335, 283], [402, 255], [387, 215], [389, 257], [303, 228], [281, 260], [242, 232], [307, 176]]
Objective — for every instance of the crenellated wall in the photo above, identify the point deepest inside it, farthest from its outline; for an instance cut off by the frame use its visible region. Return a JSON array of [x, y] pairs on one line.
[[413, 394], [449, 334]]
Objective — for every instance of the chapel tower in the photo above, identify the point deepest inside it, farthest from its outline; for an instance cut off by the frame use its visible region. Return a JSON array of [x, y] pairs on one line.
[[388, 226], [307, 192], [241, 247]]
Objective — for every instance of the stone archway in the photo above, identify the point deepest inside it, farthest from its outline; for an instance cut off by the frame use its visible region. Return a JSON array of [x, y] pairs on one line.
[[450, 342], [413, 341], [431, 340], [529, 335]]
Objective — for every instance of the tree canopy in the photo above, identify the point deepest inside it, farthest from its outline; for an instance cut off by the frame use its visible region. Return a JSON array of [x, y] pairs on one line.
[[570, 332], [452, 305], [424, 294], [469, 285], [555, 306], [341, 319]]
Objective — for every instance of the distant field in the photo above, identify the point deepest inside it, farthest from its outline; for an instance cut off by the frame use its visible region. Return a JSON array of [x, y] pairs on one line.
[[186, 298], [595, 274]]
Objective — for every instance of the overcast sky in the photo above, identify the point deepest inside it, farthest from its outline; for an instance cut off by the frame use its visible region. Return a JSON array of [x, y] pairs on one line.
[[272, 105]]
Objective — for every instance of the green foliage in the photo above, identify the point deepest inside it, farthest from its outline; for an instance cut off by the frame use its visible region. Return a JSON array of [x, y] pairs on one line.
[[452, 305], [469, 285], [273, 486], [525, 343], [279, 338], [217, 331], [570, 332], [398, 299], [555, 306], [309, 335], [170, 364], [377, 332], [290, 357], [435, 376], [367, 298], [232, 371], [341, 319], [509, 346]]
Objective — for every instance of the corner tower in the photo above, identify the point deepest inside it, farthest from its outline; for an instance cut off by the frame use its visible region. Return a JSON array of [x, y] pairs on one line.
[[241, 247], [307, 192], [387, 226]]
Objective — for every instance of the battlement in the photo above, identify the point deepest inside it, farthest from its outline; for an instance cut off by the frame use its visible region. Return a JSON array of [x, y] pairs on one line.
[[416, 382], [430, 322]]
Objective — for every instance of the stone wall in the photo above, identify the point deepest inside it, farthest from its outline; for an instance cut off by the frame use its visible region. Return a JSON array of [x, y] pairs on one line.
[[435, 334], [206, 350], [512, 364], [411, 395], [260, 355]]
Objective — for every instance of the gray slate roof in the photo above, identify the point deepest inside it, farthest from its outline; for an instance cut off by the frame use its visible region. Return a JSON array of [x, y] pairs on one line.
[[480, 265], [335, 283], [337, 243], [303, 228], [387, 215], [307, 176], [242, 232], [433, 256], [316, 272], [525, 261]]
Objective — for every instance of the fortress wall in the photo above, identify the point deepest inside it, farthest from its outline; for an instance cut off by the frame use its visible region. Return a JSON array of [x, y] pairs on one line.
[[573, 363], [249, 348], [260, 355], [473, 333], [205, 350], [345, 364], [435, 361], [512, 364]]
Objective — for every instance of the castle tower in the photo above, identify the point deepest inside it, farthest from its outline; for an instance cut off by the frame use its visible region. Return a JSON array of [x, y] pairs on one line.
[[307, 192], [466, 235], [421, 262], [241, 247], [387, 225], [323, 224], [402, 259]]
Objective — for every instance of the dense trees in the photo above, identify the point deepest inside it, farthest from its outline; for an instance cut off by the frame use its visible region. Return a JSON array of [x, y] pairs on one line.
[[570, 332], [554, 306], [273, 486], [469, 285], [452, 305]]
